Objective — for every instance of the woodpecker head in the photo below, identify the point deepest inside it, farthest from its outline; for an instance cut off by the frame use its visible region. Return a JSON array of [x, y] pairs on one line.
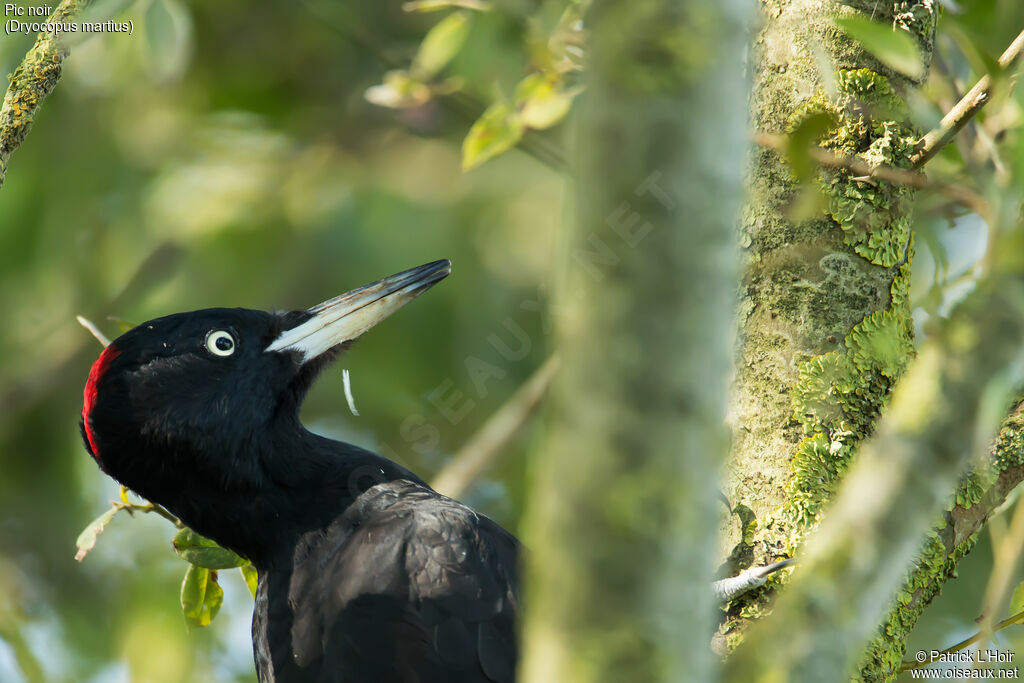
[[189, 402]]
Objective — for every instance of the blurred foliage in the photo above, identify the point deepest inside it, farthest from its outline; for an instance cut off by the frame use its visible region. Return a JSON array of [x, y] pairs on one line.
[[224, 155], [541, 99], [896, 49]]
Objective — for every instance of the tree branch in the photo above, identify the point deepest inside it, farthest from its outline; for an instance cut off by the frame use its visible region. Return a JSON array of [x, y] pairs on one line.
[[32, 81], [899, 176], [966, 642], [488, 442], [969, 105], [958, 533]]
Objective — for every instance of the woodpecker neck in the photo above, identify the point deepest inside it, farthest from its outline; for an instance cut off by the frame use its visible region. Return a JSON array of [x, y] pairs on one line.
[[300, 482]]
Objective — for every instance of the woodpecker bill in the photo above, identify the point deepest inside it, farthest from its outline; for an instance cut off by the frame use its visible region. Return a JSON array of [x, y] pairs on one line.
[[343, 318]]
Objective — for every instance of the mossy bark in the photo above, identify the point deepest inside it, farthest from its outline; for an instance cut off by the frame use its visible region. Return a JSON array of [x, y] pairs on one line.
[[32, 81], [858, 560], [622, 519], [825, 324]]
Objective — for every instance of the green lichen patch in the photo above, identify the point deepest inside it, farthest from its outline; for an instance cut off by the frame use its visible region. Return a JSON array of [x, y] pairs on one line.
[[836, 400], [871, 124], [823, 392], [842, 391], [840, 394], [973, 486], [900, 289], [1009, 450], [818, 466], [880, 343]]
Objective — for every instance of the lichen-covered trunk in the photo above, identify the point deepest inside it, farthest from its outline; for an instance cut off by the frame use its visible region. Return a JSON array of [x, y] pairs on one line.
[[856, 567], [825, 327], [622, 522]]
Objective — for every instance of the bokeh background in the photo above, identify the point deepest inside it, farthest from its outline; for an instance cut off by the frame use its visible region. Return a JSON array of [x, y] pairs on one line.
[[225, 155]]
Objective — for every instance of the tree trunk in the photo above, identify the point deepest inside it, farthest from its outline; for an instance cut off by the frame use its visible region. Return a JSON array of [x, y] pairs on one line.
[[825, 327], [622, 521], [868, 549]]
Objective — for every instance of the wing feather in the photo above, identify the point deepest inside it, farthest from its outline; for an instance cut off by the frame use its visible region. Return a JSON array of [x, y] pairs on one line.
[[406, 586]]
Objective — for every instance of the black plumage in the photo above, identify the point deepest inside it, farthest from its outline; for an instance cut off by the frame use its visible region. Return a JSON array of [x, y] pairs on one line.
[[365, 572]]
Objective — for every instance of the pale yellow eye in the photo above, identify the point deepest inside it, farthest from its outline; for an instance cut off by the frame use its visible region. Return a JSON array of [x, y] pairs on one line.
[[220, 343]]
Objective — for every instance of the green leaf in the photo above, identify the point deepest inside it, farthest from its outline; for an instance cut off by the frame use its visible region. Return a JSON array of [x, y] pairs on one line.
[[1017, 599], [203, 552], [168, 38], [398, 91], [931, 301], [214, 596], [201, 596], [540, 103], [440, 45], [122, 325], [250, 576], [894, 48], [87, 539], [497, 130], [193, 592], [435, 5], [806, 136], [974, 50]]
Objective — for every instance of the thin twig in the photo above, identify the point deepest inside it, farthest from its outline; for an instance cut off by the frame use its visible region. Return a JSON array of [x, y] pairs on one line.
[[489, 441], [1007, 548], [899, 176], [87, 539], [149, 507], [93, 330], [965, 643], [969, 105], [126, 504], [32, 81]]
